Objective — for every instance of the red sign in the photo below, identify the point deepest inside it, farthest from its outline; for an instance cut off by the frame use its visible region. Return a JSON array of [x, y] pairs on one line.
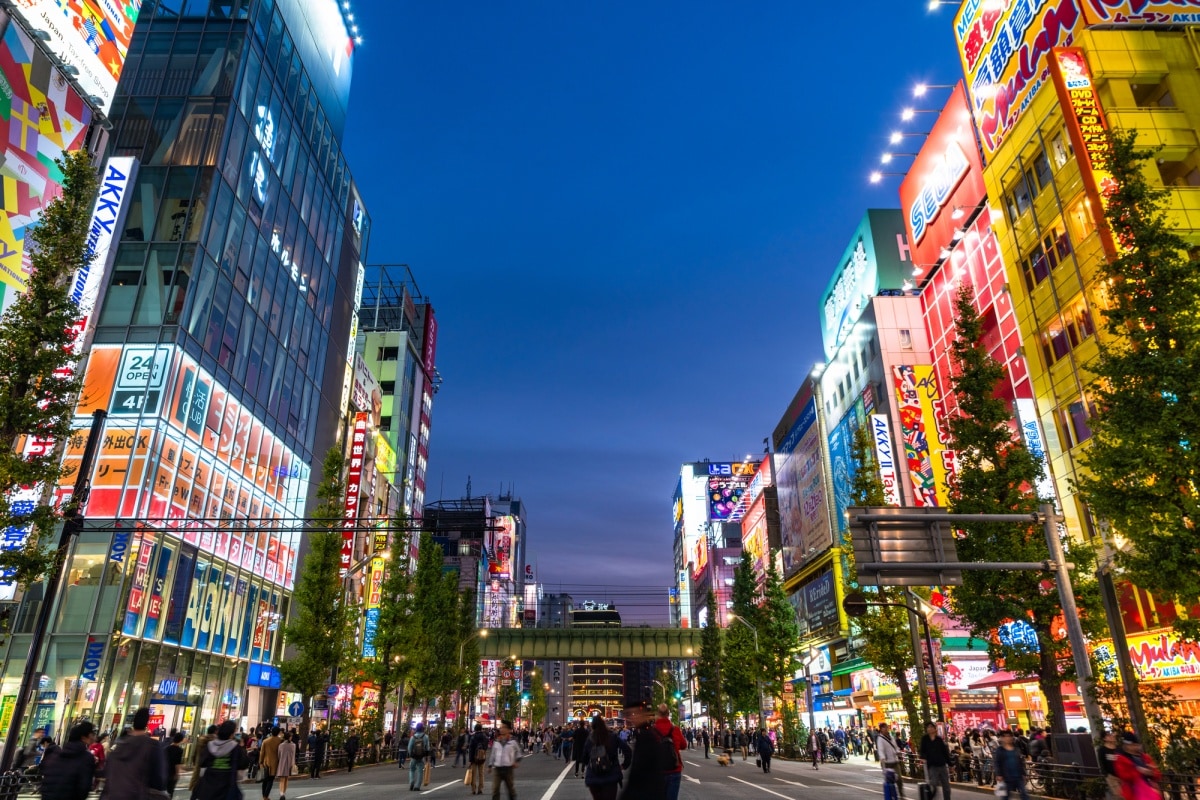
[[429, 351], [946, 176], [358, 449]]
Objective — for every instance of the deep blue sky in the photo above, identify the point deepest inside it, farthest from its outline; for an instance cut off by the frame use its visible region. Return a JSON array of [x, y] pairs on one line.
[[625, 213]]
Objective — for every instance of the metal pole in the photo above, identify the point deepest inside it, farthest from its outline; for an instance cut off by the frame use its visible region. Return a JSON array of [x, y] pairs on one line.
[[933, 670], [72, 526], [1125, 671], [808, 695], [918, 663], [1083, 667]]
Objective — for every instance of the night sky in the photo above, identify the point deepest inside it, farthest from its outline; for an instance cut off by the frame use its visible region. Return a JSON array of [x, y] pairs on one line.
[[624, 213]]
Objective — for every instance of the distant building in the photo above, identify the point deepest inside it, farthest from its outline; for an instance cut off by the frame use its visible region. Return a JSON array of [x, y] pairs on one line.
[[596, 687]]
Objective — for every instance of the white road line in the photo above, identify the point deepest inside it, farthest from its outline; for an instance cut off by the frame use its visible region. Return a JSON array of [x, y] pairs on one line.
[[854, 786], [690, 778], [693, 763], [443, 786], [557, 782], [326, 791], [794, 783], [760, 788]]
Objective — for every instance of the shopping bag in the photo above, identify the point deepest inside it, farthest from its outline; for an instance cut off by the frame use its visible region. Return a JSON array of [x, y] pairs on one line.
[[470, 774], [1001, 789], [428, 769], [758, 762]]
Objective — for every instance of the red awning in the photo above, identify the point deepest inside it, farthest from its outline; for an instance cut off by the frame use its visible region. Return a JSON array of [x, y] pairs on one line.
[[1003, 678]]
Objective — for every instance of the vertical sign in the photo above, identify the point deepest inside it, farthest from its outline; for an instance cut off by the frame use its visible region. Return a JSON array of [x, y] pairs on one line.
[[1088, 131], [358, 446], [108, 219], [885, 456]]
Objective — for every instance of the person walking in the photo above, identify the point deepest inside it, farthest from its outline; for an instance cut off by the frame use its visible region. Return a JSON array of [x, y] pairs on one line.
[[578, 739], [606, 755], [1139, 776], [502, 760], [419, 749], [222, 760], [136, 764], [68, 772], [173, 753], [705, 739], [201, 749], [889, 756], [477, 753], [1106, 755], [460, 748], [673, 744], [285, 762], [645, 779], [936, 754], [766, 748], [1009, 767], [351, 748], [814, 749], [268, 759]]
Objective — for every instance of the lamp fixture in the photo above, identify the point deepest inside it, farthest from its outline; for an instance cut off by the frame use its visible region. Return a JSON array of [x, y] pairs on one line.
[[922, 88], [877, 175], [896, 136], [886, 158], [908, 113]]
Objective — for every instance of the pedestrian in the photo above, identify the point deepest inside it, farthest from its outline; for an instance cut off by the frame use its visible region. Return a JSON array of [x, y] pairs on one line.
[[814, 749], [1106, 755], [645, 779], [460, 748], [286, 762], [173, 753], [889, 756], [673, 743], [766, 748], [578, 739], [419, 749], [351, 748], [606, 755], [1138, 773], [502, 760], [136, 764], [1010, 767], [68, 772], [705, 739], [268, 759], [936, 754], [99, 752], [223, 758], [477, 753]]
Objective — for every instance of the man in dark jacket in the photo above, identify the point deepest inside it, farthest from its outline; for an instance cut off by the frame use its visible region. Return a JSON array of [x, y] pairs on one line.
[[766, 748], [936, 755], [645, 779], [221, 762], [67, 773], [351, 748], [136, 763], [578, 740]]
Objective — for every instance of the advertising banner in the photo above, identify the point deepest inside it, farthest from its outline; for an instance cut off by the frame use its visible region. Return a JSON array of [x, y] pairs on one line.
[[44, 118], [108, 219], [1031, 432], [841, 460], [820, 602], [502, 541], [1157, 656], [930, 463], [354, 473], [725, 497], [803, 507], [1088, 131], [885, 457], [1005, 50], [1141, 13], [946, 175], [755, 539]]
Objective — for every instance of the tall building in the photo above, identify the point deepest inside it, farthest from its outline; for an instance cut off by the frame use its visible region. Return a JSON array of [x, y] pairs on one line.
[[554, 611], [595, 687], [221, 350], [1110, 66]]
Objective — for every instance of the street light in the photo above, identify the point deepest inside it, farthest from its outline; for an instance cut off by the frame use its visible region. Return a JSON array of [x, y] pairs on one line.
[[757, 679], [877, 175], [908, 113], [921, 88], [896, 136], [481, 634], [886, 158]]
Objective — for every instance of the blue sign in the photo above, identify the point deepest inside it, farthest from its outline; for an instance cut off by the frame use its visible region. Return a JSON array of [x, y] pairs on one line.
[[332, 690], [841, 460], [370, 626], [263, 675], [296, 709]]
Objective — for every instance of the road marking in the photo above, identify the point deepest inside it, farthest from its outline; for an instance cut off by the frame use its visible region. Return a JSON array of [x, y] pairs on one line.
[[443, 786], [326, 791], [693, 763], [557, 782], [760, 788], [690, 778], [854, 786], [794, 783]]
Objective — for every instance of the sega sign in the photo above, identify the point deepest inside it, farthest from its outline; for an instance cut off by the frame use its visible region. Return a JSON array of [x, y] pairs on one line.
[[947, 172]]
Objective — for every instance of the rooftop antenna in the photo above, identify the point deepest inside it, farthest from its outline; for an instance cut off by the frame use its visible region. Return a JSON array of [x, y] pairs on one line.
[[442, 487], [468, 487]]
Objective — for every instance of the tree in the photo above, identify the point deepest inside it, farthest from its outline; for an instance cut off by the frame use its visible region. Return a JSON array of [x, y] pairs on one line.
[[321, 616], [779, 638], [708, 665], [508, 696], [1143, 459], [435, 600], [537, 702], [38, 381], [1015, 611], [867, 487], [741, 668], [467, 682], [390, 667]]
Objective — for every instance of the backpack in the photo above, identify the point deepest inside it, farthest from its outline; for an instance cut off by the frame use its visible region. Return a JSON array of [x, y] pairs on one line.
[[601, 764], [668, 754], [418, 747]]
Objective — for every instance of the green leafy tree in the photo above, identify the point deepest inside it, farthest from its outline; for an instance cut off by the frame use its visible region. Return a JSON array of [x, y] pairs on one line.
[[390, 667], [1143, 460], [884, 630], [38, 384], [537, 706], [433, 655], [467, 632], [996, 475], [741, 670], [508, 695], [779, 639], [708, 665], [321, 617]]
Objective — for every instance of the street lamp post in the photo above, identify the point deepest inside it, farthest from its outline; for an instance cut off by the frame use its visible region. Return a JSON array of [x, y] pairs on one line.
[[480, 634], [661, 686], [757, 679]]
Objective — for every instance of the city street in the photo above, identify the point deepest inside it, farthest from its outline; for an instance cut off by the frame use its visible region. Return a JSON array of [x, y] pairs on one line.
[[541, 777]]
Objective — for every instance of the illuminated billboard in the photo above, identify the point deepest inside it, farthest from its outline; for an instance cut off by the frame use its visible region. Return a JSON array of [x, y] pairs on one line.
[[945, 177], [727, 484], [90, 35], [178, 446], [1141, 13], [352, 506], [44, 118], [922, 425], [876, 258], [1005, 50], [755, 538], [803, 505], [841, 459], [499, 544]]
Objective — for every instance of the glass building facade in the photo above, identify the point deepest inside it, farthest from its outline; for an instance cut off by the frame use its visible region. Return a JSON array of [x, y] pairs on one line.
[[220, 353]]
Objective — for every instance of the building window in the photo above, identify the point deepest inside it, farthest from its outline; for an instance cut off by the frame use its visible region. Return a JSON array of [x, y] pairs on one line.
[[1073, 420], [389, 353], [1041, 168], [387, 387], [1065, 334], [906, 339], [1060, 149], [385, 423]]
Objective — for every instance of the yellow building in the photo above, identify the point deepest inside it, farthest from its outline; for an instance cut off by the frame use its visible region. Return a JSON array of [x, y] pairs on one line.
[[1043, 191]]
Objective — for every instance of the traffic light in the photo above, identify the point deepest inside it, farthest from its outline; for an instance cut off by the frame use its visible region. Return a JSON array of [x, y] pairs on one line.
[[679, 695]]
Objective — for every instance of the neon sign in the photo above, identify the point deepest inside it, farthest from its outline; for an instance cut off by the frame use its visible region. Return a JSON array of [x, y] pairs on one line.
[[949, 171]]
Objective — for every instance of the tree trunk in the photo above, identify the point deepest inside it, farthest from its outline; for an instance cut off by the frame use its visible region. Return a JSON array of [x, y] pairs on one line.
[[399, 707], [1050, 682], [910, 705]]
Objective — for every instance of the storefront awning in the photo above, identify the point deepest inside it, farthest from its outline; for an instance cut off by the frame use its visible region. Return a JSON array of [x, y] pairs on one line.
[[853, 665], [1004, 678]]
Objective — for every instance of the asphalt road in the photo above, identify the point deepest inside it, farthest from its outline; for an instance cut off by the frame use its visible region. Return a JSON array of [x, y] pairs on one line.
[[541, 777]]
